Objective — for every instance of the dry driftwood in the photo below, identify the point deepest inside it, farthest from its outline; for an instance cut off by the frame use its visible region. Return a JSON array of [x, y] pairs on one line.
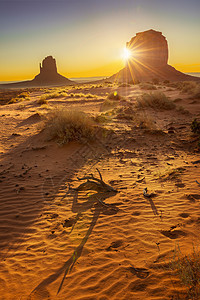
[[99, 183]]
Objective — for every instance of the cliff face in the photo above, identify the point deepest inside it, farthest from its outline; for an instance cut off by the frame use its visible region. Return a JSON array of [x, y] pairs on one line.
[[149, 60]]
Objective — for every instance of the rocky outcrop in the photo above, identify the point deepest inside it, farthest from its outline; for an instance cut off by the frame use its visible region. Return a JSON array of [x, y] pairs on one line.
[[48, 76], [149, 57]]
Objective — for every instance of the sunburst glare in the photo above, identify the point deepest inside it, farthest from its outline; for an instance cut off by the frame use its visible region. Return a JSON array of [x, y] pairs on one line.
[[126, 54]]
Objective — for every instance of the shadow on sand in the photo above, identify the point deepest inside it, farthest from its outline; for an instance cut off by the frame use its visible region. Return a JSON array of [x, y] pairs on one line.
[[95, 202]]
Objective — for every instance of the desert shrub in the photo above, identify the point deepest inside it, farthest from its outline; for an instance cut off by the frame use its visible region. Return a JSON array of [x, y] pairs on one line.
[[125, 112], [49, 96], [13, 96], [144, 121], [24, 95], [187, 267], [65, 126], [155, 100], [14, 100], [107, 105], [195, 126], [63, 94], [114, 96], [187, 86], [104, 117], [147, 86], [42, 101]]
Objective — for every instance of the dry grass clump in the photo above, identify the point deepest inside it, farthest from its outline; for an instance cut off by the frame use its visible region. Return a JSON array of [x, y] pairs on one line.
[[144, 121], [126, 112], [78, 95], [42, 101], [187, 267], [65, 126], [20, 97], [187, 86], [53, 95], [157, 100], [141, 120], [107, 105], [104, 117], [190, 87], [90, 96], [24, 95]]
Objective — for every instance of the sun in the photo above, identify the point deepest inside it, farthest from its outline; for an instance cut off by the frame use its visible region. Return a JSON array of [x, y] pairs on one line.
[[126, 55]]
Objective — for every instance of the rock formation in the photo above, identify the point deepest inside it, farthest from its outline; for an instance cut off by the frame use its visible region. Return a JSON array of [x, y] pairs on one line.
[[48, 66], [48, 76], [149, 57]]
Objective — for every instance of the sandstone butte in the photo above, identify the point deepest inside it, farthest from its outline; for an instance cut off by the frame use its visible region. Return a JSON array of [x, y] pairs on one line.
[[48, 76], [149, 60]]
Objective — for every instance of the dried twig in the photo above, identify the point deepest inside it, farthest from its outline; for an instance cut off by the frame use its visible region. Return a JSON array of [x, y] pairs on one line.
[[99, 182]]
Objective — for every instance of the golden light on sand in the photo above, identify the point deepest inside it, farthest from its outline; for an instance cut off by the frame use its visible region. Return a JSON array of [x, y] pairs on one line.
[[127, 54]]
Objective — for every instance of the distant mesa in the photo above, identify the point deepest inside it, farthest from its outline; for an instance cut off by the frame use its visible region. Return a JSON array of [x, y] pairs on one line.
[[48, 76], [149, 57]]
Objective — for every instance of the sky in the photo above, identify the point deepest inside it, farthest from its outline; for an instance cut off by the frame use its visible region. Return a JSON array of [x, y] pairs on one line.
[[87, 37]]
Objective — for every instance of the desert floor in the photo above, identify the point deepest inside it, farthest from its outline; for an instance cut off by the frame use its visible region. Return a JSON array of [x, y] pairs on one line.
[[57, 243]]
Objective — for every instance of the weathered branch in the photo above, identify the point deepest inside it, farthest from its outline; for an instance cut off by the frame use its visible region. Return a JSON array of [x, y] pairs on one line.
[[99, 182]]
